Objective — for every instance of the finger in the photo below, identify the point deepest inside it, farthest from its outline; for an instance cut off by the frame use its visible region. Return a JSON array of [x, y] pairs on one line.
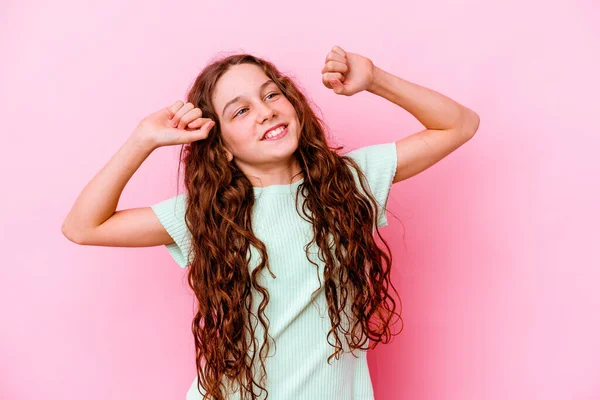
[[180, 113], [335, 66], [201, 133], [188, 117], [339, 50], [333, 56], [172, 109], [329, 76], [334, 75], [199, 122], [337, 86]]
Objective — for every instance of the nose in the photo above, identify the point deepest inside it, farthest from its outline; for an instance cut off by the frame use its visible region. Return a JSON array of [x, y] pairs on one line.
[[264, 112]]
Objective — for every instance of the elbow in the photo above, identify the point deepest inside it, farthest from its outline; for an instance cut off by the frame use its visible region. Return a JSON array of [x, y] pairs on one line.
[[473, 122], [470, 122], [475, 126], [72, 234]]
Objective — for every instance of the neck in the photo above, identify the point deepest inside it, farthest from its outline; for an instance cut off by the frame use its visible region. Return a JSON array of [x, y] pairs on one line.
[[273, 175]]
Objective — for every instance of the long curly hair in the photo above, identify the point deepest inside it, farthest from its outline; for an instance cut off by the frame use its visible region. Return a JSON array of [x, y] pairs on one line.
[[218, 216]]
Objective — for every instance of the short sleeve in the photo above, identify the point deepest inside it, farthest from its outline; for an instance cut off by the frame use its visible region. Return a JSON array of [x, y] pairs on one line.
[[378, 162], [171, 214]]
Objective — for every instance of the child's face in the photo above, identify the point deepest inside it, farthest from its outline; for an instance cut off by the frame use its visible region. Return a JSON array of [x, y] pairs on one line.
[[244, 121]]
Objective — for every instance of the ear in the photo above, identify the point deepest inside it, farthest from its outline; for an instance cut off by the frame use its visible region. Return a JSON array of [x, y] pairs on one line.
[[229, 154]]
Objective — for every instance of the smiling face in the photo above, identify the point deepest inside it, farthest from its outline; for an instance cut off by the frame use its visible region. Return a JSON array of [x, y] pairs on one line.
[[248, 105]]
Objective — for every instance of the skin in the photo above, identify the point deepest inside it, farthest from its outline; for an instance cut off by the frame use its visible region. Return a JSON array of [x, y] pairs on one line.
[[244, 122]]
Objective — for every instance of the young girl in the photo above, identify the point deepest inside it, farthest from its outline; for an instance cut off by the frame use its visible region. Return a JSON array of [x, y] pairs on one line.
[[276, 228]]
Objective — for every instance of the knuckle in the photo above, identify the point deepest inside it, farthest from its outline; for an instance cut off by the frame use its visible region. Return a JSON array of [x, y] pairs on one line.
[[186, 119], [177, 106]]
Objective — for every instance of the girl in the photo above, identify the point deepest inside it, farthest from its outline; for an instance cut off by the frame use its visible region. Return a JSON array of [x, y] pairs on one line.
[[275, 226]]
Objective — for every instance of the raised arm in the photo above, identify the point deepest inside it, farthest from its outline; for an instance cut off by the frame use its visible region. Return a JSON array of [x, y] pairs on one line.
[[448, 124], [93, 219]]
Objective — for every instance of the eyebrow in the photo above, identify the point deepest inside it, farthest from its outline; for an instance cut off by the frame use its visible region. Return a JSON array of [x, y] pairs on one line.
[[235, 99]]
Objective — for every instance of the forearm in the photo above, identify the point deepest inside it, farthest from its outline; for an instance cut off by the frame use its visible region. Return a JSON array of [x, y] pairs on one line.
[[98, 200], [432, 109]]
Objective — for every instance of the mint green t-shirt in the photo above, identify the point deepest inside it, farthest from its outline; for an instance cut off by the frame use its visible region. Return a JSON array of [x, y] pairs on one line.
[[297, 365]]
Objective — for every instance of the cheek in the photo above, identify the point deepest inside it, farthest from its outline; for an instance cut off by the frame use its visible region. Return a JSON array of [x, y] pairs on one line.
[[289, 109], [239, 135]]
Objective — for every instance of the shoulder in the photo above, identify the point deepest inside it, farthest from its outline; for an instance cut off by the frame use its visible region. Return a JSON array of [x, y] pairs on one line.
[[378, 163], [171, 214], [173, 206], [376, 159]]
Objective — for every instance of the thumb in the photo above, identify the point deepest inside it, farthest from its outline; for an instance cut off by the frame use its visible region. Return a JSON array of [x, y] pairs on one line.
[[337, 86]]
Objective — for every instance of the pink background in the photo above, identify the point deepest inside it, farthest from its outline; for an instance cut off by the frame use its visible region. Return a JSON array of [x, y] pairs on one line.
[[497, 262]]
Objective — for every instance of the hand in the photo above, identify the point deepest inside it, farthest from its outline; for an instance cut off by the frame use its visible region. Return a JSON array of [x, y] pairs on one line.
[[347, 73], [177, 124]]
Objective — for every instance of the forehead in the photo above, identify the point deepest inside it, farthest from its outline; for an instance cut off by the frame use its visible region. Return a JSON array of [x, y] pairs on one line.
[[239, 80]]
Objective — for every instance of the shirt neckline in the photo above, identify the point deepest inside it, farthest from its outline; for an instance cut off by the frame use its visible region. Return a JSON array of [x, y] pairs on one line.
[[285, 188]]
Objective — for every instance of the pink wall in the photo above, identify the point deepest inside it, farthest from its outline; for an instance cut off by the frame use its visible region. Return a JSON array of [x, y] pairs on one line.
[[497, 264]]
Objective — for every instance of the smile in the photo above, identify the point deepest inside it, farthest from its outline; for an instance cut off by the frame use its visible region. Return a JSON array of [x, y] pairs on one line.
[[276, 134]]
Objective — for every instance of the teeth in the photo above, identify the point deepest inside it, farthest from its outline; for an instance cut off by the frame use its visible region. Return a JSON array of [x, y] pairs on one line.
[[275, 132]]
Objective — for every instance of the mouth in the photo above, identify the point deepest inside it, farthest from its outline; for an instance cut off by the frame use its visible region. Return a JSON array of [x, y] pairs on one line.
[[276, 132]]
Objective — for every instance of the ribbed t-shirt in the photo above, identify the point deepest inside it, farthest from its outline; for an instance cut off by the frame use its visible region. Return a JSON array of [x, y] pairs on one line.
[[297, 365]]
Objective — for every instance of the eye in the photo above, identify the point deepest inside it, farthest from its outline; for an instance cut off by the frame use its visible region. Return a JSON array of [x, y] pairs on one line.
[[239, 111], [274, 93]]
